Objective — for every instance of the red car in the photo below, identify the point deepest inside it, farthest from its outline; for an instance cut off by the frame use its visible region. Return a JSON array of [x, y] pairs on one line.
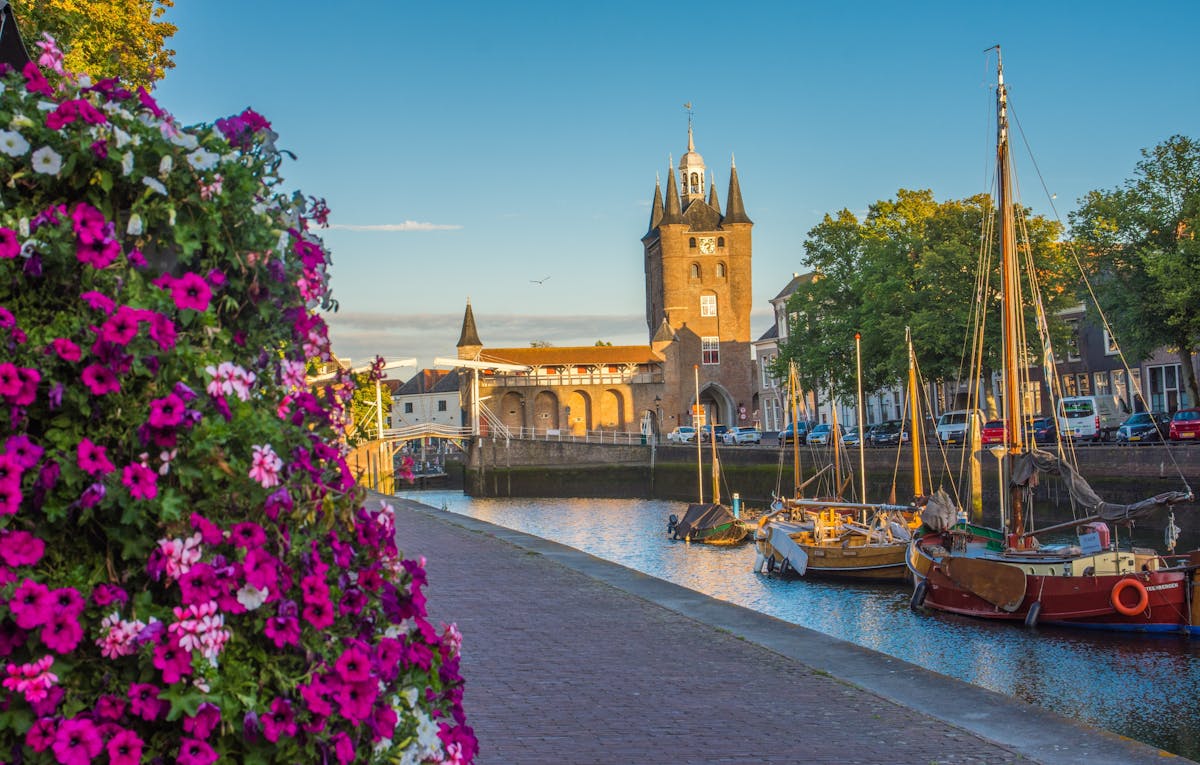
[[992, 433], [1185, 425]]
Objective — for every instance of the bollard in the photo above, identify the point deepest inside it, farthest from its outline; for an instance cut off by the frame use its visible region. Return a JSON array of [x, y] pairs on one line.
[[737, 505]]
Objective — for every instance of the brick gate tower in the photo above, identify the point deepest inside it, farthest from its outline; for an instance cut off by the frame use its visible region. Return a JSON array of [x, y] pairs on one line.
[[698, 293]]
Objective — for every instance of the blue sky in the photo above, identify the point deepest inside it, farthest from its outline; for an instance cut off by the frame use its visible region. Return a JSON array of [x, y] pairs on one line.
[[467, 149]]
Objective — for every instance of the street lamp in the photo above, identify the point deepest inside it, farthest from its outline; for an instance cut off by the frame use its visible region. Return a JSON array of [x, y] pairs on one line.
[[657, 418]]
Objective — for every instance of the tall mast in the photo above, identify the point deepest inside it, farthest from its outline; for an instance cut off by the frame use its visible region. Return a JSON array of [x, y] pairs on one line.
[[793, 391], [698, 425], [1010, 298], [916, 420]]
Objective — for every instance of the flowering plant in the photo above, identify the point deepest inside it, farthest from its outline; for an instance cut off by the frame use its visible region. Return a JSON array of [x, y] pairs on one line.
[[187, 571]]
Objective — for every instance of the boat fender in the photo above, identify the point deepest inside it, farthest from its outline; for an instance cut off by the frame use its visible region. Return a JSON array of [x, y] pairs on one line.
[[672, 522], [1035, 610], [1137, 608], [918, 596]]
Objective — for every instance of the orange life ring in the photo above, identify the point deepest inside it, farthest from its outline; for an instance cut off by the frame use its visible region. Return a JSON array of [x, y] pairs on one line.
[[1143, 597]]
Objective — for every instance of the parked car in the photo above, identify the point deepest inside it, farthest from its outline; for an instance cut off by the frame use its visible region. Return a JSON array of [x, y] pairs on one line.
[[954, 427], [850, 437], [994, 432], [887, 433], [785, 435], [1041, 429], [706, 432], [1145, 426], [1090, 417], [1185, 425], [821, 434], [742, 436], [684, 434]]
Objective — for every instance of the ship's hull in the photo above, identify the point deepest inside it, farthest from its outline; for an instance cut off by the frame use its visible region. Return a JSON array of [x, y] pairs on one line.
[[1134, 593], [875, 562]]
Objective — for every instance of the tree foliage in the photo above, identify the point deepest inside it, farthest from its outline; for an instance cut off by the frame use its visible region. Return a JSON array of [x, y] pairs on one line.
[[1139, 240], [912, 262], [104, 38]]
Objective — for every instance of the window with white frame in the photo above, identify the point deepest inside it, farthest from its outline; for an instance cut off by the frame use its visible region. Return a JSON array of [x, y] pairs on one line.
[[708, 305], [768, 381], [710, 350], [1110, 345]]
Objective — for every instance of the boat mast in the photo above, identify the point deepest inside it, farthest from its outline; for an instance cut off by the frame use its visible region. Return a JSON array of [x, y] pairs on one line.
[[794, 391], [1010, 301], [916, 421], [862, 457]]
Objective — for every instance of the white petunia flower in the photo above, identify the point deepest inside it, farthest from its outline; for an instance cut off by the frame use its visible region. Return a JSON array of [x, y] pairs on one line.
[[135, 225], [120, 137], [164, 166], [185, 140], [13, 143], [202, 160], [46, 160], [127, 163], [155, 185], [251, 597]]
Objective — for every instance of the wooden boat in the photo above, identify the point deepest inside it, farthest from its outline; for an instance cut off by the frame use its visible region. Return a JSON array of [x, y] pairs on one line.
[[712, 522], [1006, 574], [832, 538]]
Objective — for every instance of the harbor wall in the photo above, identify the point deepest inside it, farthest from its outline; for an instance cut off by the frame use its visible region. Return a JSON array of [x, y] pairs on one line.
[[495, 468]]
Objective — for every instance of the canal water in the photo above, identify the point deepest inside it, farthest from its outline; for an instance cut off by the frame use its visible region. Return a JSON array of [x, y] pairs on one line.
[[1143, 687]]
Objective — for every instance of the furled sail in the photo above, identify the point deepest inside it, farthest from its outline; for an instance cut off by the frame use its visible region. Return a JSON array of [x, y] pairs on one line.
[[1029, 464]]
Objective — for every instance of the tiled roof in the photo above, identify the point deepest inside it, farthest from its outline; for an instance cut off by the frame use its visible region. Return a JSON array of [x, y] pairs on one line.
[[797, 280], [583, 354]]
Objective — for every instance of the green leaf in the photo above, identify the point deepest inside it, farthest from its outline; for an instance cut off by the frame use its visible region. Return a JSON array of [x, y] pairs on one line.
[[184, 701]]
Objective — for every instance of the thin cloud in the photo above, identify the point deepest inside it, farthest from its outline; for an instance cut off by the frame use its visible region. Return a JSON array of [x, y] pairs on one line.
[[408, 225]]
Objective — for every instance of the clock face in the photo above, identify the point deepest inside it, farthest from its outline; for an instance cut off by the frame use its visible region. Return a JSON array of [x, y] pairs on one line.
[[708, 245]]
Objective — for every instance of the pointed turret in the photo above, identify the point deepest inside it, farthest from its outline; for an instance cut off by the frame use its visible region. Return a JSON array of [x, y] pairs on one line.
[[735, 210], [691, 171], [712, 197], [674, 212], [656, 207], [469, 344]]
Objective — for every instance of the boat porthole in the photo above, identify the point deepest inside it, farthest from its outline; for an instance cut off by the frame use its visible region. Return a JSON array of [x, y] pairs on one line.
[[1137, 608]]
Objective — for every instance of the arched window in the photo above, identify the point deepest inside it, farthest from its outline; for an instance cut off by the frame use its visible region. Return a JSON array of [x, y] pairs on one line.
[[720, 241], [692, 243], [695, 183], [720, 270], [695, 270]]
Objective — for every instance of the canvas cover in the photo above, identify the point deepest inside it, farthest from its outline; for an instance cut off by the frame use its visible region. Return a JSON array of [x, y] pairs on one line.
[[702, 517], [1029, 464], [939, 513], [12, 50]]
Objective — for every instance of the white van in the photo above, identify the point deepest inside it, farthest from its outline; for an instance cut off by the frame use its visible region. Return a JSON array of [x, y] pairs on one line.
[[954, 427], [1091, 417]]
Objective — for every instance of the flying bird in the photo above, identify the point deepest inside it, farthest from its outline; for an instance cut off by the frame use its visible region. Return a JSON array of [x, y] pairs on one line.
[[538, 281]]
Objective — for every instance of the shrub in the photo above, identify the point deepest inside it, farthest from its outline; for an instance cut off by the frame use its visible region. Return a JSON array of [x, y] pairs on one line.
[[187, 570]]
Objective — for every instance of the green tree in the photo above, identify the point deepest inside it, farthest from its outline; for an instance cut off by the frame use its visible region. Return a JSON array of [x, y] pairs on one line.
[[103, 38], [1139, 244], [912, 262], [362, 409]]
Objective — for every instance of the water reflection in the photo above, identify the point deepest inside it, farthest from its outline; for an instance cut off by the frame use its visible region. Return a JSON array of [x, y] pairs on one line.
[[1143, 687]]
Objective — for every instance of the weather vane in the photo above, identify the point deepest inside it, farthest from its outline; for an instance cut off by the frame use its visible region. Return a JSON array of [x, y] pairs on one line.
[[688, 106]]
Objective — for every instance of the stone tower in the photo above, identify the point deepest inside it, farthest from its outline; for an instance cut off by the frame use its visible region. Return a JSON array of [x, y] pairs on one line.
[[698, 283]]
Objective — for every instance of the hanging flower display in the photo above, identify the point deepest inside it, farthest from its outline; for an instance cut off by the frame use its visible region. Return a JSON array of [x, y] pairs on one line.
[[187, 570]]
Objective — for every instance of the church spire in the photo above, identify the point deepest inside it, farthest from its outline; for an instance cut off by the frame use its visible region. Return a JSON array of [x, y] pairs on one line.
[[674, 213], [712, 196], [691, 168], [735, 210], [469, 344], [656, 206]]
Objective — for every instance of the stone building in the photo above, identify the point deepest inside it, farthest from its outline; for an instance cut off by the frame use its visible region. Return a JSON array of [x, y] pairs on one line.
[[698, 298]]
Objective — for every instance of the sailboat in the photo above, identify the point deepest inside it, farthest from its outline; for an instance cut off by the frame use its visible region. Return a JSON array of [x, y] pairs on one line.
[[709, 522], [838, 539], [1006, 574]]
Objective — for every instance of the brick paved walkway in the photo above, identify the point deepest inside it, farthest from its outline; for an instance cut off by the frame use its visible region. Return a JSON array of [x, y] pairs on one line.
[[562, 667]]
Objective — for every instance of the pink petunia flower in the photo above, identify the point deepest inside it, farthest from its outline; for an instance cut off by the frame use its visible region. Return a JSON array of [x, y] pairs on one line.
[[77, 741], [173, 661], [279, 722], [195, 752], [10, 246], [353, 666], [92, 458], [207, 717], [66, 349], [20, 548], [121, 327], [10, 379], [144, 701], [166, 412], [31, 605], [100, 380], [98, 302], [125, 748], [40, 736], [265, 466], [23, 451], [141, 481], [191, 291], [62, 633]]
